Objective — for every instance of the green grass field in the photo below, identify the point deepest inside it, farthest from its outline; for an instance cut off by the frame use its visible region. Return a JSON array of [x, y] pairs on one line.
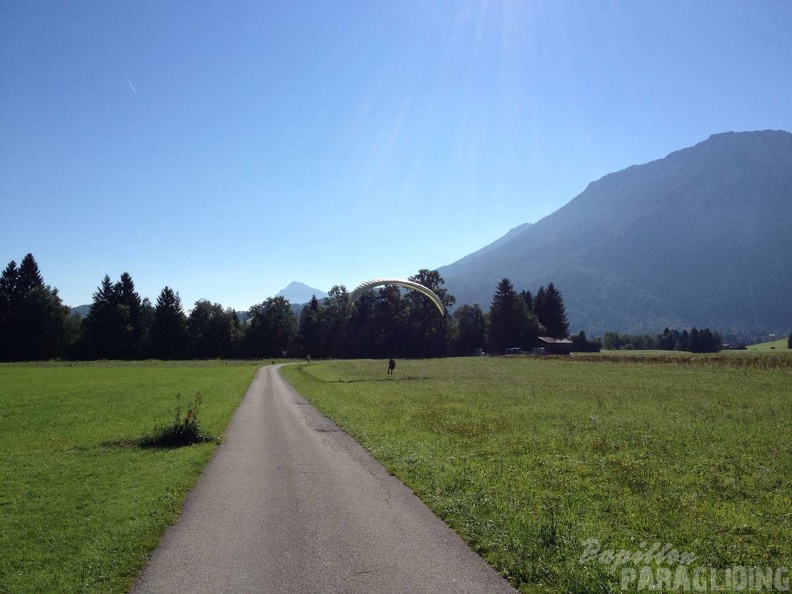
[[527, 457], [80, 506], [775, 345]]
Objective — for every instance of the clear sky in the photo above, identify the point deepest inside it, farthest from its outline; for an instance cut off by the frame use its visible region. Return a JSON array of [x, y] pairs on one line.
[[228, 148]]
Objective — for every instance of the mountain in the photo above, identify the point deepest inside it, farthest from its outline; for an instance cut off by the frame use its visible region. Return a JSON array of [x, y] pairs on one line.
[[297, 293], [499, 242], [702, 237], [81, 310]]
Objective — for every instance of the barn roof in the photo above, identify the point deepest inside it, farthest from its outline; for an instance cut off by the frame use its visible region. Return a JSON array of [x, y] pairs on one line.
[[550, 340]]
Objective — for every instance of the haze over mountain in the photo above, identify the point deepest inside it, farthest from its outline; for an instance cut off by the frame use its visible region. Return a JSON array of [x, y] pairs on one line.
[[297, 293], [702, 237]]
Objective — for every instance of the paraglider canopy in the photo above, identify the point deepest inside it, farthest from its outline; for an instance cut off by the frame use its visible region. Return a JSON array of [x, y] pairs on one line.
[[379, 282]]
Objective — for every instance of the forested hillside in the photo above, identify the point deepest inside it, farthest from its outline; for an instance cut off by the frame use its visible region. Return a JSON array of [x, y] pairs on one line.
[[701, 237]]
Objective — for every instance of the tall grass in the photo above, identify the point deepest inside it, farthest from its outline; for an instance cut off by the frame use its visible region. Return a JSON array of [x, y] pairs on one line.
[[740, 359]]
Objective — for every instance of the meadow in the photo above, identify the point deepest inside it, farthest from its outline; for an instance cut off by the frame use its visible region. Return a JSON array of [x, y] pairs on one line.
[[773, 345], [81, 505], [527, 458]]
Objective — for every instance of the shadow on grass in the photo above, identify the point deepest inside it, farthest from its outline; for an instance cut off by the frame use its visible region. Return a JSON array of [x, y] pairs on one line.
[[408, 378], [174, 437], [158, 441]]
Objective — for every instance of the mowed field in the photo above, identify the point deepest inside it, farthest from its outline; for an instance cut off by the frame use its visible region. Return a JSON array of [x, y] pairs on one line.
[[775, 345], [81, 506], [527, 458]]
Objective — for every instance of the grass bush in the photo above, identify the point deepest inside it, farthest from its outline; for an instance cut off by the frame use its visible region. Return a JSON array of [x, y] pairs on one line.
[[184, 430]]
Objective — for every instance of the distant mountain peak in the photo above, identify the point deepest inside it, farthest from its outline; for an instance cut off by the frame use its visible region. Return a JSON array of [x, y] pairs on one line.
[[297, 292], [296, 285]]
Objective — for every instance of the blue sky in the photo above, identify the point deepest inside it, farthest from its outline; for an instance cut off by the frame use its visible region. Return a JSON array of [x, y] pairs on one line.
[[228, 148]]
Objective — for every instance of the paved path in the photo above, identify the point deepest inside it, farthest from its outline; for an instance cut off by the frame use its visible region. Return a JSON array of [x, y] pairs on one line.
[[290, 503]]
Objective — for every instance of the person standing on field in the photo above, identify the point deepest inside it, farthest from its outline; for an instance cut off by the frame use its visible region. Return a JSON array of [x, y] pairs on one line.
[[391, 366]]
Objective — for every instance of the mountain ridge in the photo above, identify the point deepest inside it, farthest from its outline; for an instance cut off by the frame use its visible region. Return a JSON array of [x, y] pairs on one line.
[[639, 248]]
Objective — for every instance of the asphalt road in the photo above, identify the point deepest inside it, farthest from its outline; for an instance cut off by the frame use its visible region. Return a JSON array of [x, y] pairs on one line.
[[290, 503]]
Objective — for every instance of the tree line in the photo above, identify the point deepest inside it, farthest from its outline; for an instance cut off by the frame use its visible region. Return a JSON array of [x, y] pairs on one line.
[[389, 322], [694, 341], [514, 320], [34, 323]]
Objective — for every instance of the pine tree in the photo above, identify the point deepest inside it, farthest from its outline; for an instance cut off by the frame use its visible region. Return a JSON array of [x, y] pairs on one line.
[[33, 320], [694, 341], [529, 327], [29, 276], [112, 327], [666, 340], [551, 312], [9, 304], [540, 305], [128, 304], [8, 281], [529, 301], [102, 327], [503, 325], [25, 328], [310, 329], [683, 344], [169, 328]]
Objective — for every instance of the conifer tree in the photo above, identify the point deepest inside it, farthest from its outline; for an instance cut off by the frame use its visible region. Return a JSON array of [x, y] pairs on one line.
[[33, 320], [551, 312], [169, 327], [9, 303], [666, 340], [29, 276], [503, 324], [683, 344], [529, 301], [102, 326], [694, 341], [310, 329], [128, 303]]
